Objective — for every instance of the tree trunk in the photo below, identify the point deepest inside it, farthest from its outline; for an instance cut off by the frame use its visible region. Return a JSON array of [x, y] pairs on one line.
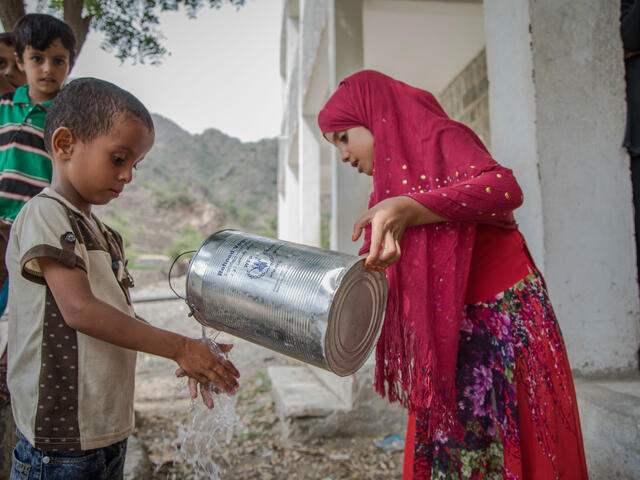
[[79, 25], [10, 12]]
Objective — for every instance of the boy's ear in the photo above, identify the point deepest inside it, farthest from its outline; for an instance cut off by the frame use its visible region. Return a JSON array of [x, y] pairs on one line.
[[19, 62], [62, 142]]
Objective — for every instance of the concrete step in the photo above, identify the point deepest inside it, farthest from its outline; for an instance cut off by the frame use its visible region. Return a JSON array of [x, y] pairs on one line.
[[610, 418], [308, 408], [297, 392]]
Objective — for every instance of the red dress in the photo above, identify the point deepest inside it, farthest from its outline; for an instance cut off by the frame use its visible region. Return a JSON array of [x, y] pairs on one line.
[[515, 393]]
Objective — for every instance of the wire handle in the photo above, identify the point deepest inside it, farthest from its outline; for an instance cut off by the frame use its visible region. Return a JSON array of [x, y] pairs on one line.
[[171, 269]]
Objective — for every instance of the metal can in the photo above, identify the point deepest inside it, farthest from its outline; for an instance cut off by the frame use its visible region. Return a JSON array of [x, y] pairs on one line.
[[318, 306]]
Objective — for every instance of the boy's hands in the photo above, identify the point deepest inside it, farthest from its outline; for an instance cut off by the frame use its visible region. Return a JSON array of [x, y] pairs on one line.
[[204, 388], [202, 365]]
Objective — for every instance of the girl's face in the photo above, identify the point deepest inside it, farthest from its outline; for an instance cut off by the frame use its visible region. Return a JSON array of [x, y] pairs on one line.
[[355, 146]]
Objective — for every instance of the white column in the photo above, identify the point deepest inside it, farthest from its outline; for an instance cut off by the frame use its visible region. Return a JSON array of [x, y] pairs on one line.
[[350, 190], [513, 114], [557, 104], [292, 196], [309, 182]]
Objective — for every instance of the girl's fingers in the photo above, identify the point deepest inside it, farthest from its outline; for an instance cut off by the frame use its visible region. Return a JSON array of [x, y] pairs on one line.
[[362, 222], [376, 243], [180, 372], [389, 250]]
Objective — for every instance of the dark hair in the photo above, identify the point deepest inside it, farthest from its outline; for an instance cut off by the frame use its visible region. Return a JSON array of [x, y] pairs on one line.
[[8, 39], [39, 31], [89, 107]]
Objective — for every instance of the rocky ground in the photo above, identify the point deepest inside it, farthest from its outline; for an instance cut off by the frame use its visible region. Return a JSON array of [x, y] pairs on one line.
[[256, 451]]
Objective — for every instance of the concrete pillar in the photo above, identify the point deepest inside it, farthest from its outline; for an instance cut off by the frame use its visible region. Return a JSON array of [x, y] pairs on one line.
[[291, 230], [309, 182], [557, 105], [350, 190]]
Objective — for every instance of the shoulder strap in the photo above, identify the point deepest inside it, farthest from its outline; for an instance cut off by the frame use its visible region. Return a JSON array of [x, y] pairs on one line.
[[68, 240], [114, 243]]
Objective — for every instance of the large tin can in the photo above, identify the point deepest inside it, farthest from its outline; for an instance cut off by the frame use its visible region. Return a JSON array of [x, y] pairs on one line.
[[319, 306]]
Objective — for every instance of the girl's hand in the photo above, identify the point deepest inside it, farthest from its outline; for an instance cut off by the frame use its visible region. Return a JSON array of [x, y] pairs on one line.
[[203, 366], [389, 219]]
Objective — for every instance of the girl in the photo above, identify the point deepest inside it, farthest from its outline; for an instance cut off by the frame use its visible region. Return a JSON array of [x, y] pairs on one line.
[[470, 344]]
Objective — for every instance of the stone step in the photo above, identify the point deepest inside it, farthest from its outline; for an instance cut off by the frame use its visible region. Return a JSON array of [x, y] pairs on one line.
[[297, 392], [610, 419]]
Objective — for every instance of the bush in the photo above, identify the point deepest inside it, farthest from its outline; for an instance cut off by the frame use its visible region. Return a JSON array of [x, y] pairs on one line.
[[188, 239]]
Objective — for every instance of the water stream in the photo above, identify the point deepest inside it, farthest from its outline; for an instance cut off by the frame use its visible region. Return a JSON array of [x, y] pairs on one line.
[[200, 439]]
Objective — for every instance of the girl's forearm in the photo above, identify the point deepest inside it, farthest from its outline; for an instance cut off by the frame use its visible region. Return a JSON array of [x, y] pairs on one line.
[[418, 214]]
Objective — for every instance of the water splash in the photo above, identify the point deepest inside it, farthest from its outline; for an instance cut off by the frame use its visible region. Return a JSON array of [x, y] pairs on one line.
[[199, 440]]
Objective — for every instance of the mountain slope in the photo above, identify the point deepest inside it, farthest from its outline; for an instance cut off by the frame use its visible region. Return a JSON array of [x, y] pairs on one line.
[[190, 186]]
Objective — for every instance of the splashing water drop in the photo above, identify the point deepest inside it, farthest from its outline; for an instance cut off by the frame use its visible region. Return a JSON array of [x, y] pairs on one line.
[[198, 440]]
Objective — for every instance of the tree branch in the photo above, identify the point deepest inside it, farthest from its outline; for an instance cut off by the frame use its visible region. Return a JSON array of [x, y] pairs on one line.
[[10, 12], [72, 14]]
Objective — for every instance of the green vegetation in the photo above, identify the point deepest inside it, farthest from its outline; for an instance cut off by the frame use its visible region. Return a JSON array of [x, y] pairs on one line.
[[120, 223], [188, 239], [325, 230]]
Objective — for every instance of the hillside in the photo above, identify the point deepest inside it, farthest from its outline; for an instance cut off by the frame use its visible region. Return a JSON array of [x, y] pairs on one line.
[[189, 186]]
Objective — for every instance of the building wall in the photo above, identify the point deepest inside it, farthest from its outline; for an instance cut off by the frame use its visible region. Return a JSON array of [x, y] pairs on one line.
[[558, 116], [466, 98]]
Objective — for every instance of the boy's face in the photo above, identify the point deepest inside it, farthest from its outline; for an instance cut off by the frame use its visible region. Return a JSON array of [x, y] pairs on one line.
[[96, 172], [9, 67], [46, 70]]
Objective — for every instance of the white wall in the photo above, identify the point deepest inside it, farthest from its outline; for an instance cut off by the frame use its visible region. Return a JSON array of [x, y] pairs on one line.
[[558, 113], [423, 43]]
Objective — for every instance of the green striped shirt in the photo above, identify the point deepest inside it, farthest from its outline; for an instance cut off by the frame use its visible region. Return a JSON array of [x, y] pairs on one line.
[[25, 166]]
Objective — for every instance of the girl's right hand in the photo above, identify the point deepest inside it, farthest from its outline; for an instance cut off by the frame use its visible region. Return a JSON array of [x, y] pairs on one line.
[[197, 361]]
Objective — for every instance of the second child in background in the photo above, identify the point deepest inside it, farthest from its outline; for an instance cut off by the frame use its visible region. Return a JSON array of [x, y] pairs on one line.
[[11, 77]]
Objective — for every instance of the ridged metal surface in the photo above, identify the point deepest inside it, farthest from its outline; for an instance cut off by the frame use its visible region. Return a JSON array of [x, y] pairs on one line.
[[319, 306]]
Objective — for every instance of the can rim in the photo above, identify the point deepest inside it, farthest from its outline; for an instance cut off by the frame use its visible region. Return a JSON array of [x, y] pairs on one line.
[[341, 362]]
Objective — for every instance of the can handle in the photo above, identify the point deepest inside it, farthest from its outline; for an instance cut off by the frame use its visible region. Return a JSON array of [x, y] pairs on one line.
[[169, 276]]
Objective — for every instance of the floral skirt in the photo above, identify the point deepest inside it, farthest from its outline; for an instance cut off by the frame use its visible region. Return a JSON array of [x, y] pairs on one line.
[[516, 399]]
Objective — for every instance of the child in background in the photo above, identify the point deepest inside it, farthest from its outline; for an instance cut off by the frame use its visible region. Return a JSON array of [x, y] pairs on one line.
[[73, 334], [45, 52], [11, 77], [470, 343]]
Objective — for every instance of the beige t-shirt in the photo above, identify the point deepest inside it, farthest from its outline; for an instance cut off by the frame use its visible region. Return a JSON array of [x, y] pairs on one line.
[[69, 391]]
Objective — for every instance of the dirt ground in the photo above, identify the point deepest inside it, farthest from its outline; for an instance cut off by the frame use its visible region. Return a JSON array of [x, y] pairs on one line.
[[255, 451]]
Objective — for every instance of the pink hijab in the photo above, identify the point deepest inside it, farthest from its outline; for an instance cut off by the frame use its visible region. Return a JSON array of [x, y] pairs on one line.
[[420, 152]]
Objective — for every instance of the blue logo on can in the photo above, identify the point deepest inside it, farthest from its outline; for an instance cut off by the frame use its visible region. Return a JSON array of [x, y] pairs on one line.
[[257, 266]]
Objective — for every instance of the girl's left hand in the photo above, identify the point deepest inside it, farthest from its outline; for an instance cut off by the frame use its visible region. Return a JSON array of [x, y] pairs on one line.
[[389, 219]]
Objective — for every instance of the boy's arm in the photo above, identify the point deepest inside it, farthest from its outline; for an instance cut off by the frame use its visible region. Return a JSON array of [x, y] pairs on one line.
[[85, 313]]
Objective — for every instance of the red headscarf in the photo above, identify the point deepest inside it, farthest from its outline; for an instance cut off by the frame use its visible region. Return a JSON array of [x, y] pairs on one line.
[[420, 152]]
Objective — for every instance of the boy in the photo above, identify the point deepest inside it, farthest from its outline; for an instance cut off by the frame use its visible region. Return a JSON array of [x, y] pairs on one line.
[[72, 330], [45, 52], [10, 75]]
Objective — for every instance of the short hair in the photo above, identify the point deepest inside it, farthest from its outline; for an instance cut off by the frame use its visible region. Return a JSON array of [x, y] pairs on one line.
[[7, 38], [89, 108], [39, 31]]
